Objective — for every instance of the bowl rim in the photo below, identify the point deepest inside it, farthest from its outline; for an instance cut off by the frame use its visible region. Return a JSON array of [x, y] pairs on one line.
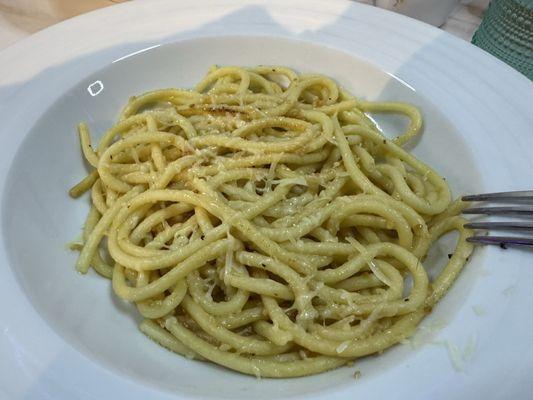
[[483, 94]]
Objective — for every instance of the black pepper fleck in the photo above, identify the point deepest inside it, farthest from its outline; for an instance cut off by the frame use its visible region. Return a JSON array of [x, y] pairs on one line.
[[503, 246], [405, 299], [450, 256]]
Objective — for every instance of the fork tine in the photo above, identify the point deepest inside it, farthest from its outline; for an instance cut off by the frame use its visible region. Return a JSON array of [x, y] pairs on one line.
[[519, 211], [519, 197], [522, 196], [519, 226], [502, 241]]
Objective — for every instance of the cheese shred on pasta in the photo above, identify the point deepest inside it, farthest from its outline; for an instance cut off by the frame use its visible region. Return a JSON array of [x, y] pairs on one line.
[[264, 223]]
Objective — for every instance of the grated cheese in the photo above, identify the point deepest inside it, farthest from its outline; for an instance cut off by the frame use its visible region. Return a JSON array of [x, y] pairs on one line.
[[478, 310], [370, 262], [343, 346], [455, 355]]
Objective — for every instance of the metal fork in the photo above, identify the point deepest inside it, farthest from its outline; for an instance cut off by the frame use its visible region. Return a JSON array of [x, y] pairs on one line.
[[524, 211]]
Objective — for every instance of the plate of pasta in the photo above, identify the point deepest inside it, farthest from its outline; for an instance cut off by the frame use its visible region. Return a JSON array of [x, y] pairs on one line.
[[258, 199]]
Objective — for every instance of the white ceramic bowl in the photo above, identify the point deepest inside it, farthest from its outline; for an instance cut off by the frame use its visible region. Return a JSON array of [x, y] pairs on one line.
[[67, 336], [38, 210]]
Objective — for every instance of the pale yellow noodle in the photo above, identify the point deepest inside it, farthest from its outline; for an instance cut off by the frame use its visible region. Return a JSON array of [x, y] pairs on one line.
[[262, 221]]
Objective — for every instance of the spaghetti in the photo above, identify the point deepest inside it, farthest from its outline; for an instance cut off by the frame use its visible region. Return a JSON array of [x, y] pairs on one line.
[[263, 222]]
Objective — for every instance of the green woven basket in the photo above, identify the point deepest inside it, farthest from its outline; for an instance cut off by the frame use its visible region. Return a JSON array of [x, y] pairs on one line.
[[507, 33]]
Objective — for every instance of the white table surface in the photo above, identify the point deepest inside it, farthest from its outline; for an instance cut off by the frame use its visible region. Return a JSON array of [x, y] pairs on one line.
[[21, 18]]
